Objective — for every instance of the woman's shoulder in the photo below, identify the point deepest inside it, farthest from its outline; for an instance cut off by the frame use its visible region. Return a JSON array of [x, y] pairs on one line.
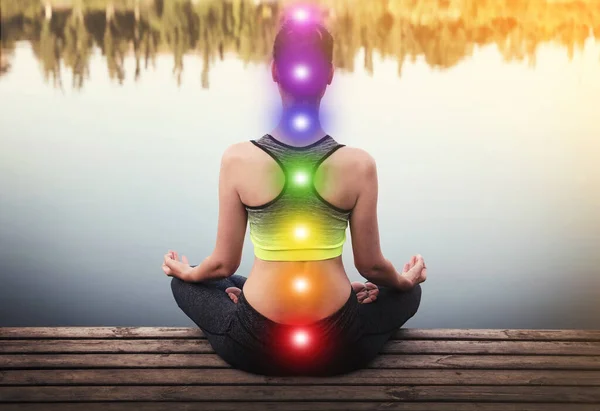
[[237, 151], [350, 157], [356, 157], [357, 152]]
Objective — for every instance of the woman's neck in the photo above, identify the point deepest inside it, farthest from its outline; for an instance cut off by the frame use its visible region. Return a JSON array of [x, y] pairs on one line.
[[299, 124]]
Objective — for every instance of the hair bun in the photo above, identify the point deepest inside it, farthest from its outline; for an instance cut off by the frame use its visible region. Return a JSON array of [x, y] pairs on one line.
[[293, 35]]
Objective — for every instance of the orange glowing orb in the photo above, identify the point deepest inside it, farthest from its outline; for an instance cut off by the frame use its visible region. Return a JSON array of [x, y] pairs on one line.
[[300, 284]]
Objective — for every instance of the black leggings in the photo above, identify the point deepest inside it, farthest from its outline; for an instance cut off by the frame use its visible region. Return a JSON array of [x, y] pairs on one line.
[[347, 340]]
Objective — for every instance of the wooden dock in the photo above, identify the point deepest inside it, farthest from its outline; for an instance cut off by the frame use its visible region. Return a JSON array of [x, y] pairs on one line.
[[143, 368]]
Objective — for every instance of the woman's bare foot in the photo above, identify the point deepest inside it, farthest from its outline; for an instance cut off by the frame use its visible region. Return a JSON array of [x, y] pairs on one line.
[[415, 270], [233, 293], [365, 292]]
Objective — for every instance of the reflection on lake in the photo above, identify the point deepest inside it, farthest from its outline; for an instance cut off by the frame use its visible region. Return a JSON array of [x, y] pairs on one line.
[[444, 32], [482, 116]]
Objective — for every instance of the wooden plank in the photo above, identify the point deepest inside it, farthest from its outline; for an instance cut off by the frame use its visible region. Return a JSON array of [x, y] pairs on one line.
[[391, 347], [230, 376], [493, 334], [191, 332], [303, 393], [300, 406], [99, 332], [200, 346], [492, 347], [503, 362], [24, 361]]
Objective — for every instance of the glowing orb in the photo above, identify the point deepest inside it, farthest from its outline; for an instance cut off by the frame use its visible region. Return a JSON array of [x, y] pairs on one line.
[[300, 338], [301, 122], [301, 178], [301, 232], [301, 72], [300, 284], [300, 15]]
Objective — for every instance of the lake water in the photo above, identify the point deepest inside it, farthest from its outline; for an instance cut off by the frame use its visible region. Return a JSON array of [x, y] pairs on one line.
[[484, 124]]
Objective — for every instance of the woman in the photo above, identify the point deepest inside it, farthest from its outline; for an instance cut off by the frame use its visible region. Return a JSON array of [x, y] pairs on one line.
[[297, 312]]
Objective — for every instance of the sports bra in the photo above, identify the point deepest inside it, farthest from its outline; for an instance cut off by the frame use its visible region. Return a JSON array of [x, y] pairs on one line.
[[298, 224]]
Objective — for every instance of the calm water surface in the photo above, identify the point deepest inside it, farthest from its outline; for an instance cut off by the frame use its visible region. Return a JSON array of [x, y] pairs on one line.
[[486, 137]]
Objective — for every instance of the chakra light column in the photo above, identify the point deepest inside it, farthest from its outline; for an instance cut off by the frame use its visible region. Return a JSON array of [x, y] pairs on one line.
[[302, 73]]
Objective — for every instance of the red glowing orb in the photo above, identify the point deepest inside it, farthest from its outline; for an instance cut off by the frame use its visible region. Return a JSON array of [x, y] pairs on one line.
[[300, 338]]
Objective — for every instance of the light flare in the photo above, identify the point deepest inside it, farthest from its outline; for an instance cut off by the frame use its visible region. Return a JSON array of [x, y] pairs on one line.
[[301, 178], [300, 15], [301, 72], [300, 338], [301, 232], [300, 122], [300, 284]]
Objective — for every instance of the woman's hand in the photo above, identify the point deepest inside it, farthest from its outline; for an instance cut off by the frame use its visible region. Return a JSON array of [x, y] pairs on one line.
[[175, 268], [415, 270]]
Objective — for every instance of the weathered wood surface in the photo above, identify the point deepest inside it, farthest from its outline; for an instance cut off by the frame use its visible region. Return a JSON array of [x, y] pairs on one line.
[[299, 406], [191, 346], [187, 332], [129, 368], [502, 362], [302, 392], [224, 376]]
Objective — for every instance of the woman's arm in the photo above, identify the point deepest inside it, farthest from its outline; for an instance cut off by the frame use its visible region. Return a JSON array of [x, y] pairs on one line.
[[231, 229], [364, 228]]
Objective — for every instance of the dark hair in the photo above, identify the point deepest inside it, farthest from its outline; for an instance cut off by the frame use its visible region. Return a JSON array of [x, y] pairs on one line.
[[301, 37]]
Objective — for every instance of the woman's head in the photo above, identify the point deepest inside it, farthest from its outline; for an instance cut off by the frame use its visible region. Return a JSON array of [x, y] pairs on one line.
[[302, 59]]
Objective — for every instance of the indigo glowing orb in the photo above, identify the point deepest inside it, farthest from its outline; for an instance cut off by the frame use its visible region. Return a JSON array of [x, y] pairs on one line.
[[300, 122]]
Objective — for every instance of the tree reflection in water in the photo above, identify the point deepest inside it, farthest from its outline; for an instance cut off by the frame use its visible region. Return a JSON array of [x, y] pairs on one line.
[[65, 33]]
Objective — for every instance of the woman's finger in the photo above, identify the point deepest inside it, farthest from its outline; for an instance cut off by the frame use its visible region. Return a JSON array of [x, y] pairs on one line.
[[172, 264], [184, 260]]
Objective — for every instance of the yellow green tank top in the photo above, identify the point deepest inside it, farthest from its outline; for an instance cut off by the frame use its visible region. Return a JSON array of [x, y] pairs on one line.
[[298, 224]]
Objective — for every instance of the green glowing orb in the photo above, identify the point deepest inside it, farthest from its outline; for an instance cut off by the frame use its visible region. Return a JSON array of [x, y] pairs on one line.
[[300, 178]]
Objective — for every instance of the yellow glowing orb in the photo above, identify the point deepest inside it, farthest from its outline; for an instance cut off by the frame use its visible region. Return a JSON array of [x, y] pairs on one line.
[[300, 338], [300, 284], [301, 232]]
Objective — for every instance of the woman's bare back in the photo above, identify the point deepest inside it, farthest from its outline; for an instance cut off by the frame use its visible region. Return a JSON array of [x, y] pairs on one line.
[[298, 292]]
